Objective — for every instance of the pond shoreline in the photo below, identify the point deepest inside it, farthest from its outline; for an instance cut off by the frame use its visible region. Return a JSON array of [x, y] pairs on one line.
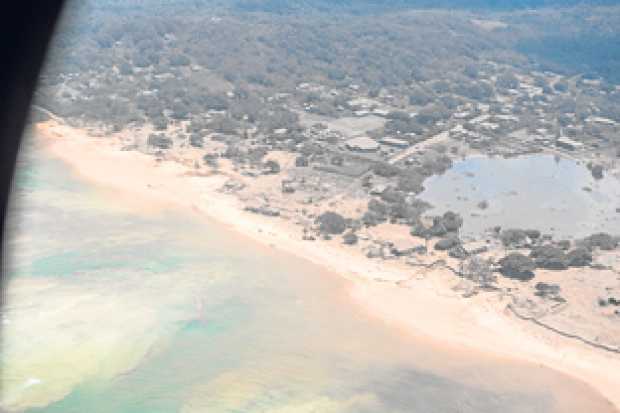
[[553, 194], [479, 324]]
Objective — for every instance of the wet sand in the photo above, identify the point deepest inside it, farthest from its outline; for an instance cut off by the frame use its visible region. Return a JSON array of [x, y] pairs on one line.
[[423, 311]]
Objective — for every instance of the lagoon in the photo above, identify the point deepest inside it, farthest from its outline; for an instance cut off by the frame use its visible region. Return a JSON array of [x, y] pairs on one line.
[[113, 309], [557, 196]]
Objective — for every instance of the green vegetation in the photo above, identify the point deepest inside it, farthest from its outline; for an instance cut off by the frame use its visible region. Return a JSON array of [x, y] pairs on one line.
[[254, 76], [517, 266], [161, 62], [331, 223], [600, 240], [549, 257]]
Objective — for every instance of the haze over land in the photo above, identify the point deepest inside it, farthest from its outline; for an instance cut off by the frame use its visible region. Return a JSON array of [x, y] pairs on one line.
[[458, 165]]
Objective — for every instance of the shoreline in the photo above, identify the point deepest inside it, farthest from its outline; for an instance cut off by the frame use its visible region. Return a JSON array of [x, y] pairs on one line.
[[385, 290]]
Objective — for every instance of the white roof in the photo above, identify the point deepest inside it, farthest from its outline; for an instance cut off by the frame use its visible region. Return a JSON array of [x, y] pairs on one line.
[[568, 141], [600, 119], [362, 143], [394, 141]]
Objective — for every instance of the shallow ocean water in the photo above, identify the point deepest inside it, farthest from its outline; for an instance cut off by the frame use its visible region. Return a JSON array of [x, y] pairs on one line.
[[536, 191], [109, 309]]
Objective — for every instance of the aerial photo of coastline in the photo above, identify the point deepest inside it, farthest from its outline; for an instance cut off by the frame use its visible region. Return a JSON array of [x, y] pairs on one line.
[[313, 206]]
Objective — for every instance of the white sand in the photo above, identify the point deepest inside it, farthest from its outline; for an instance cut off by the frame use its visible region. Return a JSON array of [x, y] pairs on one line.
[[427, 308]]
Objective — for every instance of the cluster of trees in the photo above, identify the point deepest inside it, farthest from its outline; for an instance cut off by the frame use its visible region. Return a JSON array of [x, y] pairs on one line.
[[258, 55], [551, 255], [395, 207], [331, 223], [129, 62], [159, 141], [446, 225], [382, 6]]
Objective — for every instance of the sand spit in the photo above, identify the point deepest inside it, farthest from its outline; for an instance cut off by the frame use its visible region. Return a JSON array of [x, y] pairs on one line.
[[421, 306]]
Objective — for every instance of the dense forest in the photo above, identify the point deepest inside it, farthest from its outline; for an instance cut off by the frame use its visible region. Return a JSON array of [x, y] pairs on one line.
[[352, 6], [211, 55], [378, 6], [239, 81]]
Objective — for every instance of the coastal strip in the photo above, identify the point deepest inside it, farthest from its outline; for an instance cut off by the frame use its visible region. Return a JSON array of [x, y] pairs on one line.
[[425, 307]]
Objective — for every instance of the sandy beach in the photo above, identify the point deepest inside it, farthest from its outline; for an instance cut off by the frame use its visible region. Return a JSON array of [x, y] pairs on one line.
[[423, 306]]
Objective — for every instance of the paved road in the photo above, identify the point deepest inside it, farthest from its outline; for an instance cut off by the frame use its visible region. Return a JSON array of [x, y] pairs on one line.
[[439, 138]]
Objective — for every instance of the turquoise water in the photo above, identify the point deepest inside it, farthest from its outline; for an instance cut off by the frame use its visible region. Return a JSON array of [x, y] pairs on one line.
[[537, 191], [110, 309]]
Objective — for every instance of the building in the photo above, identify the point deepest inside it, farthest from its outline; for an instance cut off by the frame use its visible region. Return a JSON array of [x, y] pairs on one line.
[[461, 115], [381, 112], [394, 142], [362, 144], [362, 103], [568, 143], [601, 120]]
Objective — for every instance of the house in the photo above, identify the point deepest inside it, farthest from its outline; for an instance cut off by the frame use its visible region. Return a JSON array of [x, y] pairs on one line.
[[362, 103], [378, 189], [362, 144], [381, 112], [568, 143], [601, 120], [394, 142]]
